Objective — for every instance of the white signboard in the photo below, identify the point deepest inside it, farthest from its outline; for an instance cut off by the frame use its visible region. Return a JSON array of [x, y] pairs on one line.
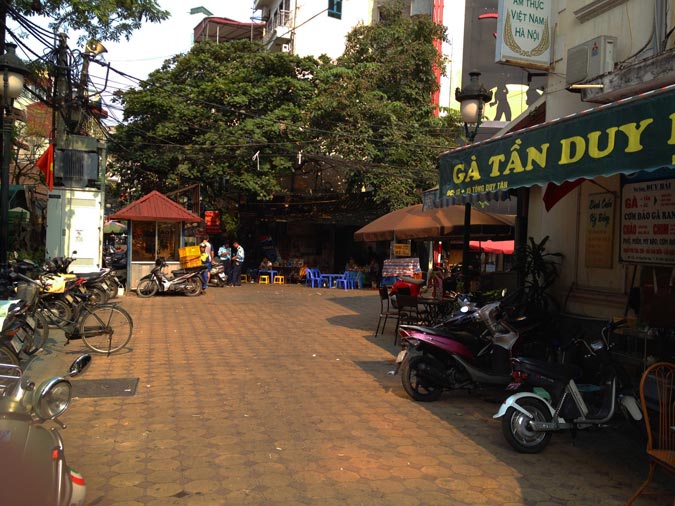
[[648, 222], [524, 33]]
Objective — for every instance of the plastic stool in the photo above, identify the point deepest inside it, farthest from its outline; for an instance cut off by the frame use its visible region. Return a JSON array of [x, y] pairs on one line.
[[244, 278], [264, 279], [279, 280]]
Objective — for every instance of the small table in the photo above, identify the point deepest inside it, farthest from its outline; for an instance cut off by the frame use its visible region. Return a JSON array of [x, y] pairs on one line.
[[270, 272], [436, 308], [330, 279]]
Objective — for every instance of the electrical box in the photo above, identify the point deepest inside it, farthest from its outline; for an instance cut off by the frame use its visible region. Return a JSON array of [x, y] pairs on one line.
[[591, 59], [75, 223]]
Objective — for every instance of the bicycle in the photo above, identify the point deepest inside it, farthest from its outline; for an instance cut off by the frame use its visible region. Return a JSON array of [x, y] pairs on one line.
[[104, 328]]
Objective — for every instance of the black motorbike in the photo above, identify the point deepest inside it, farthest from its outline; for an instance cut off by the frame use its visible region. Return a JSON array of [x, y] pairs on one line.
[[186, 282]]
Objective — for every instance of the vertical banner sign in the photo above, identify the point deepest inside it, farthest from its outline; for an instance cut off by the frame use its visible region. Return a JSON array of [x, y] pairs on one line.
[[648, 222], [212, 220], [524, 33], [600, 230]]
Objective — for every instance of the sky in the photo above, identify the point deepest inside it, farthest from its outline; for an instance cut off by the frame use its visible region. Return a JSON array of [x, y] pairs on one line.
[[154, 43]]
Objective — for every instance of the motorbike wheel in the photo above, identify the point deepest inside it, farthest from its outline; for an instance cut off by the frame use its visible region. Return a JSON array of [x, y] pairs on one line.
[[113, 285], [193, 286], [56, 311], [7, 356], [516, 427], [97, 296], [412, 373], [40, 334], [146, 288]]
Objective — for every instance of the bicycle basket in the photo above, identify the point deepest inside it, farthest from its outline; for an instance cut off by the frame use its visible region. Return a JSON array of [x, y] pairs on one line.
[[27, 292]]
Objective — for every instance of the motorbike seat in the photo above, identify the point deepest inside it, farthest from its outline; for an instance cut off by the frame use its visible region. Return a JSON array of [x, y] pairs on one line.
[[461, 336], [561, 372]]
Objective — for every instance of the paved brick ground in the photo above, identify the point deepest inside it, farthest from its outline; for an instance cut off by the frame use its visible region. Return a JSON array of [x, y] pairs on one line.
[[280, 395]]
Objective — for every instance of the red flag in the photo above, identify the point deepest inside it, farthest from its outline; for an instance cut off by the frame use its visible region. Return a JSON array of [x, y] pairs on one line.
[[46, 164], [555, 192]]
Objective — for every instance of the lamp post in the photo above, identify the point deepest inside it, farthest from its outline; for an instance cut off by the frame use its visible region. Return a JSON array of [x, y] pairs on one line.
[[472, 98], [13, 72]]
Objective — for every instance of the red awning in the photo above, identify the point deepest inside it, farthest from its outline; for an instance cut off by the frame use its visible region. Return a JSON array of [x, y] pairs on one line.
[[505, 247], [155, 207]]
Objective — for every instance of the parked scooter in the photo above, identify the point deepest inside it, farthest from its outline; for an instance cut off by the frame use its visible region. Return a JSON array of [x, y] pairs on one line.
[[557, 398], [189, 283], [218, 274], [34, 469], [466, 352]]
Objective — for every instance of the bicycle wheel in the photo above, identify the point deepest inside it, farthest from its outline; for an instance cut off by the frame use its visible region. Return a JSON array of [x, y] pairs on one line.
[[40, 332], [106, 328]]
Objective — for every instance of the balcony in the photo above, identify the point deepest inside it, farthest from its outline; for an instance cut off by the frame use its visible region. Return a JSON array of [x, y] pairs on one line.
[[278, 28]]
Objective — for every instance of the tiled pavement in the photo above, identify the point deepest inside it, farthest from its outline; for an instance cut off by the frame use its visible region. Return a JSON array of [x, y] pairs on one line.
[[280, 395]]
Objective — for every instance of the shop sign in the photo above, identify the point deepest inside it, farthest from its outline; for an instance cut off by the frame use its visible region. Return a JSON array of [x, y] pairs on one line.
[[212, 221], [524, 33], [600, 230], [623, 137], [648, 222], [402, 250]]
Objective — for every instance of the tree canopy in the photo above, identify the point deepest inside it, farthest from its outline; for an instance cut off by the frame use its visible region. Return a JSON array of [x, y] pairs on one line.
[[241, 120], [99, 19]]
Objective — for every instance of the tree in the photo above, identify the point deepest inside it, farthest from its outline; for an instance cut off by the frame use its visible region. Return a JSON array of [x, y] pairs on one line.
[[226, 115], [373, 109], [101, 20]]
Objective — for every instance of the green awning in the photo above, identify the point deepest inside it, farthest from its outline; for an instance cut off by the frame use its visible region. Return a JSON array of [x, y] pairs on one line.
[[627, 136]]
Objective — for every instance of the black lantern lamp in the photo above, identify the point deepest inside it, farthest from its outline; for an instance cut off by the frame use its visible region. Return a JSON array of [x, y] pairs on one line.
[[13, 73], [472, 98]]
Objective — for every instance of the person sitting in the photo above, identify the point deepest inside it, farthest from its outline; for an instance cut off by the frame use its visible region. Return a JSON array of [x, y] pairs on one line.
[[265, 265]]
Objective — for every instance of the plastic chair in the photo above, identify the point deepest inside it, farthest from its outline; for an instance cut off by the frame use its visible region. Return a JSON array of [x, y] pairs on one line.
[[657, 396], [313, 279], [385, 310], [346, 280], [279, 280], [264, 279]]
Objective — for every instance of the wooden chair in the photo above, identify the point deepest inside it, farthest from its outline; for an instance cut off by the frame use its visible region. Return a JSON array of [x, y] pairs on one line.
[[657, 395], [386, 311]]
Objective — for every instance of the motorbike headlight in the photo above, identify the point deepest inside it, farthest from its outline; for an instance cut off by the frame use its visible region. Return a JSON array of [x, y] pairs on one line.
[[52, 398]]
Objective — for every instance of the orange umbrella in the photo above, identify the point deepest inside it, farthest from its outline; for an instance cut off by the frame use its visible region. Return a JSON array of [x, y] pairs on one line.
[[505, 247], [415, 223]]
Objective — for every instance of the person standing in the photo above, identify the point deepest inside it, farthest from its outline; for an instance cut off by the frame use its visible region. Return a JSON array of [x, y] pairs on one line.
[[209, 251], [225, 255], [206, 263], [237, 262]]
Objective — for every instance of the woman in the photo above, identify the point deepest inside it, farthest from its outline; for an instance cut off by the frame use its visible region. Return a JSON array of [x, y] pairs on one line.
[[206, 263]]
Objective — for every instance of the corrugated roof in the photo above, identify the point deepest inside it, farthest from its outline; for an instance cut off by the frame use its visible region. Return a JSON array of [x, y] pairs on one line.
[[155, 207]]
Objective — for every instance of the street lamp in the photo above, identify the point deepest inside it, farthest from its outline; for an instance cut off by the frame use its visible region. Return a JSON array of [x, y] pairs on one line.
[[13, 72], [472, 99]]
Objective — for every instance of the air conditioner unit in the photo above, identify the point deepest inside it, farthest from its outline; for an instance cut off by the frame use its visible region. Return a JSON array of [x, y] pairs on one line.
[[285, 48], [590, 59]]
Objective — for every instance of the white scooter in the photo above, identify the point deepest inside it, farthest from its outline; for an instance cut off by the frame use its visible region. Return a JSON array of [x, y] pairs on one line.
[[33, 469], [557, 399]]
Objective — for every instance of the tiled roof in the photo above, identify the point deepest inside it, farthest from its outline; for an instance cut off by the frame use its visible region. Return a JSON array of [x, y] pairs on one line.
[[155, 207]]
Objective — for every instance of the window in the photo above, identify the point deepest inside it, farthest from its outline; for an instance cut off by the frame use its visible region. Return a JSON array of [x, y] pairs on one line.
[[335, 9], [153, 239]]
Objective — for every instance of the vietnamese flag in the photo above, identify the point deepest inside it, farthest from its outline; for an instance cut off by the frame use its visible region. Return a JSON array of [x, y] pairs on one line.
[[46, 164]]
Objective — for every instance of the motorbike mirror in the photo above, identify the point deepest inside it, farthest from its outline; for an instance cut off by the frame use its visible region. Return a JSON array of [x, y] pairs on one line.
[[80, 365]]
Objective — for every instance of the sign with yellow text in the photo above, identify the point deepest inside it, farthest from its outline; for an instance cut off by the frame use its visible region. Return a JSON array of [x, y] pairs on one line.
[[600, 230], [622, 137], [402, 250]]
